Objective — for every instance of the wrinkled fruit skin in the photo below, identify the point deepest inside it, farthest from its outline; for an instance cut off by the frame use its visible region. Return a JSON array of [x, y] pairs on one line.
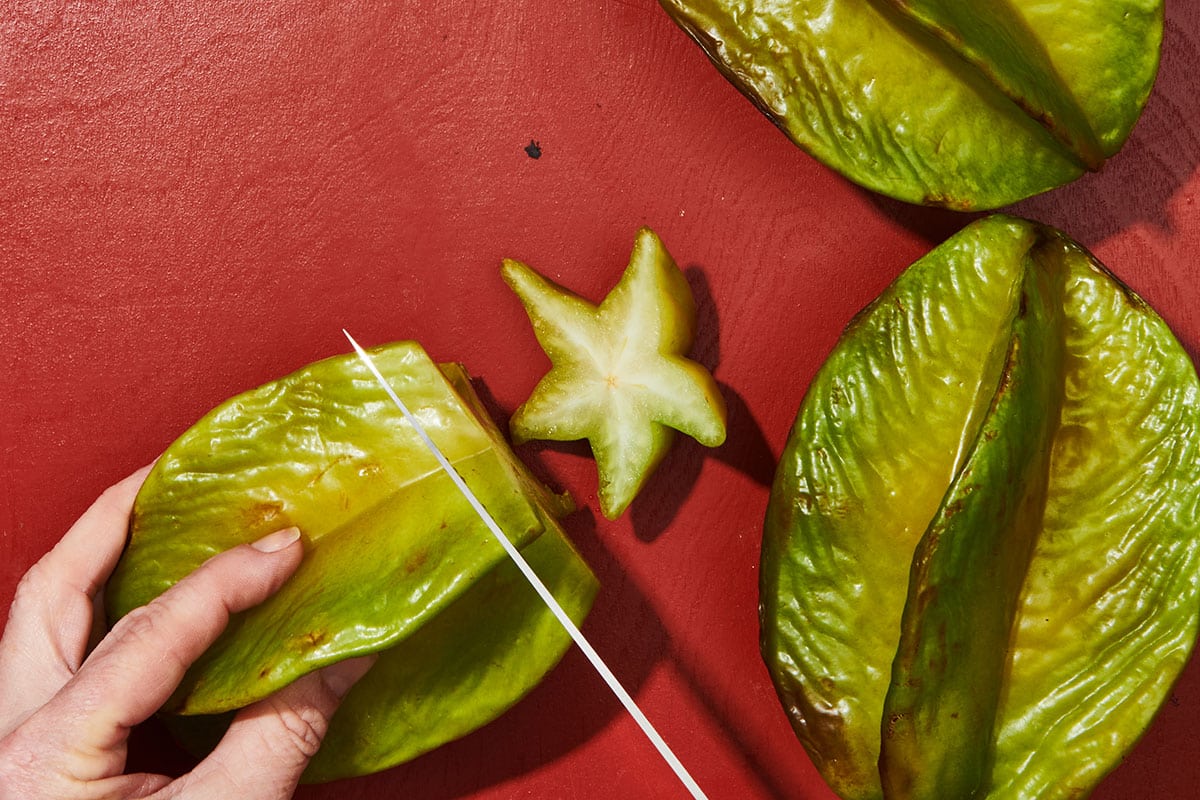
[[961, 105], [620, 376], [981, 558], [396, 561]]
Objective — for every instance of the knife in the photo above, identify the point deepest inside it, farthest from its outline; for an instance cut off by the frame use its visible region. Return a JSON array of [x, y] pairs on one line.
[[571, 628]]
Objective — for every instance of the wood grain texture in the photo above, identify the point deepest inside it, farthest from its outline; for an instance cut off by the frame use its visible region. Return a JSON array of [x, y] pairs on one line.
[[195, 198]]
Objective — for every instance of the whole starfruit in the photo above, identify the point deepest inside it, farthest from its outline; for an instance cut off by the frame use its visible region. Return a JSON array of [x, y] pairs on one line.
[[981, 558], [396, 562], [942, 102]]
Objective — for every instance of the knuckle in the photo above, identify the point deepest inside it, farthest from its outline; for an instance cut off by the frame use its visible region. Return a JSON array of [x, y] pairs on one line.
[[144, 630], [300, 729], [34, 584], [148, 630], [138, 628], [179, 610], [33, 599]]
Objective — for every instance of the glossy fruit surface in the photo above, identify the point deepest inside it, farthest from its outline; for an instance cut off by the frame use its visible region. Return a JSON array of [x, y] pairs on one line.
[[396, 561], [937, 102], [981, 564], [620, 375]]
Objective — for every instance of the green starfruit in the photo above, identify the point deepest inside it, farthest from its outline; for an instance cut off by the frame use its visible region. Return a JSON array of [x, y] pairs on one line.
[[396, 561], [981, 558], [620, 377], [963, 105]]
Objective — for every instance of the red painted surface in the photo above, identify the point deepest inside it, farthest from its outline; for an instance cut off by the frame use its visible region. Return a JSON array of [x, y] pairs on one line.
[[194, 200]]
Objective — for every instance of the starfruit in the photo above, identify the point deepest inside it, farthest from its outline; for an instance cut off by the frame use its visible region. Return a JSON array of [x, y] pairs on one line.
[[981, 558], [962, 105], [620, 375], [396, 561]]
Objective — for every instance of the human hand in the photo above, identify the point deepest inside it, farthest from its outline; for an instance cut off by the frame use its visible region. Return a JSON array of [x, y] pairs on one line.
[[65, 714]]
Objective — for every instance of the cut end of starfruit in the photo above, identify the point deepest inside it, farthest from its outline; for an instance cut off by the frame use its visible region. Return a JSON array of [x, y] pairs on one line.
[[981, 560], [396, 561]]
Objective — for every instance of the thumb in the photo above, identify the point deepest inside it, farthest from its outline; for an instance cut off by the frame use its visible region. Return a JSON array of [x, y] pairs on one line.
[[269, 744]]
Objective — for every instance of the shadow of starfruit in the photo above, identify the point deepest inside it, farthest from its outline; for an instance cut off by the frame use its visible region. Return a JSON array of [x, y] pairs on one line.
[[396, 561], [981, 559], [962, 105]]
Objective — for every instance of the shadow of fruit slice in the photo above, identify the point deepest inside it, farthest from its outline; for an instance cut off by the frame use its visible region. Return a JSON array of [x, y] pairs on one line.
[[927, 102], [393, 551], [981, 560]]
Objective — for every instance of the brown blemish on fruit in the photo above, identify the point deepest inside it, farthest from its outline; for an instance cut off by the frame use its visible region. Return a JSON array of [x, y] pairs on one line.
[[893, 723], [818, 723], [925, 597], [262, 513], [946, 201], [417, 561], [339, 460], [311, 640], [837, 395], [1006, 379]]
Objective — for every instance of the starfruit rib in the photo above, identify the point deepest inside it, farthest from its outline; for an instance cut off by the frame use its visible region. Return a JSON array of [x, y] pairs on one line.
[[939, 716], [856, 489], [995, 40], [1108, 52], [1110, 608], [471, 663]]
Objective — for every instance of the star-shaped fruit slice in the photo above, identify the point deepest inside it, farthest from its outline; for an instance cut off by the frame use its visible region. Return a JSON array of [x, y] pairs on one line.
[[619, 376]]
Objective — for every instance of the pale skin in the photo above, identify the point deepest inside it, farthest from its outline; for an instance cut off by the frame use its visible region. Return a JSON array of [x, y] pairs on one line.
[[66, 712]]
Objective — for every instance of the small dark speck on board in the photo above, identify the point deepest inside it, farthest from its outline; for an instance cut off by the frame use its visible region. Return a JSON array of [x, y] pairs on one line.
[[533, 149]]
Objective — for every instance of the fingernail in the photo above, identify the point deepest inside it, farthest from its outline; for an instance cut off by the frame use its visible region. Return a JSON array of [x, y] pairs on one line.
[[273, 543], [341, 676]]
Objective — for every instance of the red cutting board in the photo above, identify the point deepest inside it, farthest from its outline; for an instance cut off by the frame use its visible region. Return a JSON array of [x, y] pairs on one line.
[[196, 198]]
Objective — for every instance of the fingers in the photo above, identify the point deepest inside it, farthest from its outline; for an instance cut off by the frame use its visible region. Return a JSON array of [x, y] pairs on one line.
[[51, 616], [270, 743], [133, 671]]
